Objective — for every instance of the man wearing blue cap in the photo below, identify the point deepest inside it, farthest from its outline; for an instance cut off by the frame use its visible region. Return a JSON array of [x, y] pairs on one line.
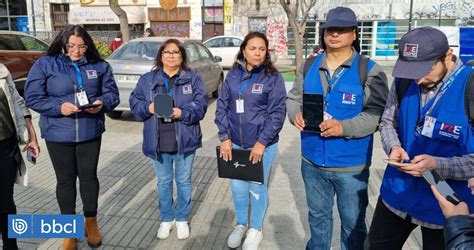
[[424, 124], [335, 161]]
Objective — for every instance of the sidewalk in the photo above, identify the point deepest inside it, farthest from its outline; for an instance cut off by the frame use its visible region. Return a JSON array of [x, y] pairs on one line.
[[128, 213]]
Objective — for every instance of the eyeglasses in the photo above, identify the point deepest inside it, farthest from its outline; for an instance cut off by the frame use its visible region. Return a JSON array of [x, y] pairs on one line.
[[171, 53], [80, 47]]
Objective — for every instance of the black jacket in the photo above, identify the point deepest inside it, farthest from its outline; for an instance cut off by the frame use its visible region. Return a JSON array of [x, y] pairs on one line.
[[459, 232]]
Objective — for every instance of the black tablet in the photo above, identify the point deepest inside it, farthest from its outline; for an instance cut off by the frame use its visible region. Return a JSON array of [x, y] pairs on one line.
[[90, 105], [163, 105], [313, 111], [240, 167]]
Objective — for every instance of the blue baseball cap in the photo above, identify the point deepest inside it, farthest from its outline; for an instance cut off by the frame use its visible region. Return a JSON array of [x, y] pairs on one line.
[[418, 51], [340, 17]]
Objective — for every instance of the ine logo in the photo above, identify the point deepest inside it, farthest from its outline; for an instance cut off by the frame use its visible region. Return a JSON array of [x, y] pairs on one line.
[[236, 165], [45, 226]]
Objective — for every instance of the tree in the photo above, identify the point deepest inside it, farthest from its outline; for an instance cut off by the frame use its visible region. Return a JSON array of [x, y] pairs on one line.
[[122, 18], [293, 9]]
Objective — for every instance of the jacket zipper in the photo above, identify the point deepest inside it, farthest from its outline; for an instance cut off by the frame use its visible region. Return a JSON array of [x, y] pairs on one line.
[[76, 115], [156, 128], [240, 128], [176, 122]]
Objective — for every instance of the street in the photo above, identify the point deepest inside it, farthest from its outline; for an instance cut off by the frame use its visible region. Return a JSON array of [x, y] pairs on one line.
[[128, 213]]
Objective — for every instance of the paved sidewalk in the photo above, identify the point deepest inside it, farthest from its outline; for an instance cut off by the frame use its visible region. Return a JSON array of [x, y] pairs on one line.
[[128, 213]]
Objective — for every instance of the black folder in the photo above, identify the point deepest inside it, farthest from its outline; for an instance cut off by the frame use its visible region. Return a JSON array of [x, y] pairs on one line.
[[163, 105], [239, 167], [313, 111]]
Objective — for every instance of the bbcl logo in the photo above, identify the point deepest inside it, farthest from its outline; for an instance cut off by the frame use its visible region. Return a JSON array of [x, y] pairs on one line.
[[45, 226]]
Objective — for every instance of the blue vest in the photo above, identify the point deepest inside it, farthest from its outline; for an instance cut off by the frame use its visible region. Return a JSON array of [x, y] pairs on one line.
[[452, 136], [345, 101]]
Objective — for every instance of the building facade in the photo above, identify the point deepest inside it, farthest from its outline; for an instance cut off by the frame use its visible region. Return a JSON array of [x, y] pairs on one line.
[[382, 22]]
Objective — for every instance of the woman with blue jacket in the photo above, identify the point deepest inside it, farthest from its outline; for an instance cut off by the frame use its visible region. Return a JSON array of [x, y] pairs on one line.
[[71, 88], [250, 113], [171, 140]]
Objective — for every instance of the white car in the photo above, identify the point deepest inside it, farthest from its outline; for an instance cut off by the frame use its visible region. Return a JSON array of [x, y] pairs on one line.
[[227, 48]]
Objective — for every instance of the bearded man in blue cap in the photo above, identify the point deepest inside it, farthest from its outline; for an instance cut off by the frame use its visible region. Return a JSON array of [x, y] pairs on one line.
[[336, 160], [426, 125]]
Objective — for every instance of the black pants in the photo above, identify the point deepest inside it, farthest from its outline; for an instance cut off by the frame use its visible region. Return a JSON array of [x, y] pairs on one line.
[[9, 162], [72, 160], [389, 231]]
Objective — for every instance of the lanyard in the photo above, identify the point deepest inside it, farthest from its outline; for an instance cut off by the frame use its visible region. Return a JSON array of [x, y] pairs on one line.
[[79, 76], [332, 82], [246, 84], [428, 108], [166, 81]]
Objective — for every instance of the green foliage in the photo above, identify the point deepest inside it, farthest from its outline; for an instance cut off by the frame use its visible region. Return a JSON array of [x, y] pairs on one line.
[[103, 48]]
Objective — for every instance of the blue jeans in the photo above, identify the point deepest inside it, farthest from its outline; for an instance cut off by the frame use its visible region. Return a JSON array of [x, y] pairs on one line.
[[182, 175], [258, 193], [350, 189]]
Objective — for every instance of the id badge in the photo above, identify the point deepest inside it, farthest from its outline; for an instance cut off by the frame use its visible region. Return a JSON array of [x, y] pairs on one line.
[[327, 116], [428, 126], [240, 106], [82, 98]]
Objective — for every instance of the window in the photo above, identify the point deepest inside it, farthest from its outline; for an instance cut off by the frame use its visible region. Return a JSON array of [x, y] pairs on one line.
[[142, 51], [33, 44], [192, 53], [237, 42], [206, 55], [232, 42], [10, 42], [214, 43]]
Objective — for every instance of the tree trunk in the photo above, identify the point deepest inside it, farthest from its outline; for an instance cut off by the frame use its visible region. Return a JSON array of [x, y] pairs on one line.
[[123, 19], [298, 37]]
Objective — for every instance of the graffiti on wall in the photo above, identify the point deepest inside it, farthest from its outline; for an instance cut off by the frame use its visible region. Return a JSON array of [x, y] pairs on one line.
[[276, 35], [179, 29], [462, 9], [451, 8]]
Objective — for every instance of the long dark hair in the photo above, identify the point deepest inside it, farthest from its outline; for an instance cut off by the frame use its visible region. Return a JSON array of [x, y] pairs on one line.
[[159, 63], [355, 43], [58, 46], [269, 68]]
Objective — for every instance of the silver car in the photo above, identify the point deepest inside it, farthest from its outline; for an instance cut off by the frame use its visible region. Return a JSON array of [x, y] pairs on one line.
[[137, 57]]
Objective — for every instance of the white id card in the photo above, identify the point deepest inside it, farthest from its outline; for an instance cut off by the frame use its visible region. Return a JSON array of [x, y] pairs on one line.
[[428, 126], [240, 105], [327, 116], [82, 98]]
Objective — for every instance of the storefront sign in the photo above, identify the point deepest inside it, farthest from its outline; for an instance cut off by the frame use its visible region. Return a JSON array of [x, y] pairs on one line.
[[104, 15]]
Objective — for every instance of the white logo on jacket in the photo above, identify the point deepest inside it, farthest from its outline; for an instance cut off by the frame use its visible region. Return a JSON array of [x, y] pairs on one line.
[[257, 88], [187, 89], [91, 74]]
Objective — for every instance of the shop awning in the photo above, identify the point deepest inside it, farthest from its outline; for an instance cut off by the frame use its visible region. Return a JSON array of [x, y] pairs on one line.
[[105, 15]]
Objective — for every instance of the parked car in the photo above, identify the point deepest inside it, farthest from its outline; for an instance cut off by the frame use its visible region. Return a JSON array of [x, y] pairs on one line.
[[18, 52], [137, 57], [227, 47]]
